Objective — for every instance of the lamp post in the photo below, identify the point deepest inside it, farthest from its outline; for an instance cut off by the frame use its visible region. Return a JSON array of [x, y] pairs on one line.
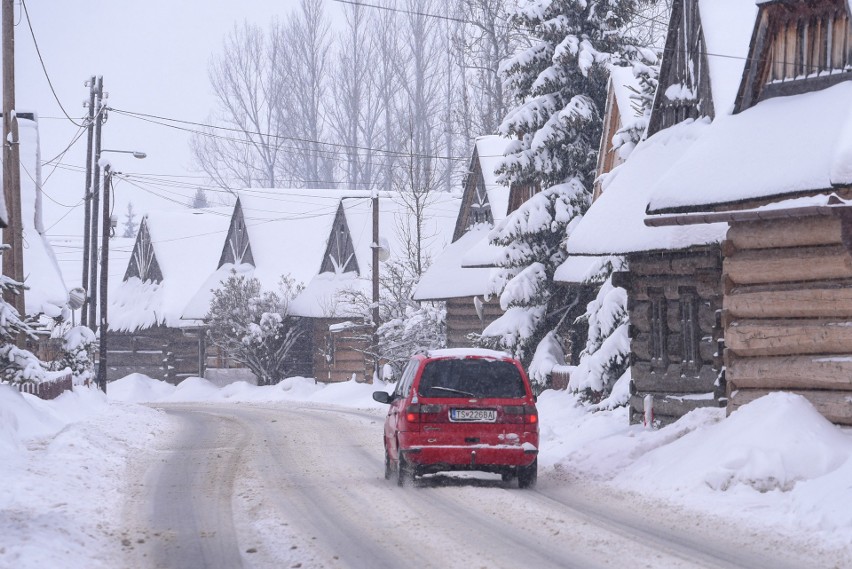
[[106, 225]]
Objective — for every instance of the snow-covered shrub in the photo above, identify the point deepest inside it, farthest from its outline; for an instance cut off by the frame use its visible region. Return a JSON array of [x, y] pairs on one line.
[[254, 327], [76, 354], [607, 353], [17, 364]]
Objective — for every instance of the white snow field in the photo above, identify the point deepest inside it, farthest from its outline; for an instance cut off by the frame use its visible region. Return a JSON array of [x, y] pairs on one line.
[[774, 475]]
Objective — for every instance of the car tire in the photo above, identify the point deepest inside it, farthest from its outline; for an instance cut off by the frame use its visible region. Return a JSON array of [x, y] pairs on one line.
[[388, 465], [507, 475], [404, 473], [528, 475]]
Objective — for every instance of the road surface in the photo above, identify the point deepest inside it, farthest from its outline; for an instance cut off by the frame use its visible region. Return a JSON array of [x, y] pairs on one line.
[[289, 485]]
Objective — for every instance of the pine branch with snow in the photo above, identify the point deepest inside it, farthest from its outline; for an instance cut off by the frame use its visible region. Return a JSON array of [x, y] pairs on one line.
[[17, 365]]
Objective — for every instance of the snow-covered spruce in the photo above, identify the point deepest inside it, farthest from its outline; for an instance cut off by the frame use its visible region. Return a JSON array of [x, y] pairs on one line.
[[17, 365], [559, 86]]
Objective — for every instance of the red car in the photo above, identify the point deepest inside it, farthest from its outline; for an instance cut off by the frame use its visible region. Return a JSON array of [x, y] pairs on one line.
[[461, 409]]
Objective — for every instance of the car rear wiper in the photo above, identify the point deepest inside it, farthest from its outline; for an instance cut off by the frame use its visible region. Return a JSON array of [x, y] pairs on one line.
[[450, 389]]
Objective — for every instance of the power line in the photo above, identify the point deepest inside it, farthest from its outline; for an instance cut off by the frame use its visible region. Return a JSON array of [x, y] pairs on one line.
[[44, 68]]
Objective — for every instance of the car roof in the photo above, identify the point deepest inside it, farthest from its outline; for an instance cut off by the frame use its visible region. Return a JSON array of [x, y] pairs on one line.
[[463, 353]]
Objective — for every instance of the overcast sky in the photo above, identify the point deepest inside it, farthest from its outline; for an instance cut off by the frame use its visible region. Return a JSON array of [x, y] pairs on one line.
[[154, 57]]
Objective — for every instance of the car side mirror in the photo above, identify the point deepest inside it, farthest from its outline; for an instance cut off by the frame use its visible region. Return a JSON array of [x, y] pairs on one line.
[[382, 397]]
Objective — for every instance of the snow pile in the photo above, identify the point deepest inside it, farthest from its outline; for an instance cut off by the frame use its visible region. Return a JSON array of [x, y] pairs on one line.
[[62, 463], [775, 461], [138, 388]]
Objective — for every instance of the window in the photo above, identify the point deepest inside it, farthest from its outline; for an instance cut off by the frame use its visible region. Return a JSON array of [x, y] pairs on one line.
[[808, 42], [404, 383], [473, 377], [690, 329], [659, 330]]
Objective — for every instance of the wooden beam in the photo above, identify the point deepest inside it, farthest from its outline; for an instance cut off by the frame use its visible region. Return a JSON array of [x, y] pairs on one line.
[[789, 265], [791, 372], [833, 405], [797, 303], [789, 337], [791, 232]]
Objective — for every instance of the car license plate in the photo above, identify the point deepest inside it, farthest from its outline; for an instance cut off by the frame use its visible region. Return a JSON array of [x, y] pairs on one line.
[[473, 415]]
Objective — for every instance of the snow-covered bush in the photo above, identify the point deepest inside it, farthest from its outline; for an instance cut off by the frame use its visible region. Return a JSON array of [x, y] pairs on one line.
[[607, 353], [254, 327], [76, 354], [17, 364]]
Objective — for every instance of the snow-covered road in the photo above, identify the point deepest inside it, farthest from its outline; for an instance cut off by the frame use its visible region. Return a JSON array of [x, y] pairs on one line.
[[297, 485]]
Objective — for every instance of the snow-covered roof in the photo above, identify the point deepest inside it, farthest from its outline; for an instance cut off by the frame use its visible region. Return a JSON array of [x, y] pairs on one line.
[[727, 26], [491, 150], [321, 297], [624, 85], [580, 269], [614, 224], [288, 229], [41, 270], [780, 146], [199, 303], [447, 279], [186, 245]]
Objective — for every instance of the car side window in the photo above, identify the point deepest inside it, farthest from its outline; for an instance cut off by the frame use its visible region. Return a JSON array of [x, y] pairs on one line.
[[404, 385]]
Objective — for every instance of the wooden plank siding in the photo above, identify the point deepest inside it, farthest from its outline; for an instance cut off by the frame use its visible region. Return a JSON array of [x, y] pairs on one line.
[[168, 354], [341, 355], [673, 278], [463, 320], [788, 312]]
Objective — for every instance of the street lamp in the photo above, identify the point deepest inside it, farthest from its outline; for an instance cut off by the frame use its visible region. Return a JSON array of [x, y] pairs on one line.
[[106, 225], [135, 153]]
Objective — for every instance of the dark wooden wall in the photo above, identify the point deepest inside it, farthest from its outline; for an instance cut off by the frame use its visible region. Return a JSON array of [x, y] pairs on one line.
[[463, 320], [788, 311], [676, 386], [340, 355], [169, 354]]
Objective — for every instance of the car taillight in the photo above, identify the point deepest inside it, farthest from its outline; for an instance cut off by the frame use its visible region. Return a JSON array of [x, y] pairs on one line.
[[425, 413], [526, 414]]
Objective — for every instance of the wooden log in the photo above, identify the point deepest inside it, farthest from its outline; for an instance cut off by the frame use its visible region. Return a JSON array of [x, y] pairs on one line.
[[791, 372], [791, 232], [669, 407], [675, 379], [788, 337], [836, 406], [789, 265], [786, 303]]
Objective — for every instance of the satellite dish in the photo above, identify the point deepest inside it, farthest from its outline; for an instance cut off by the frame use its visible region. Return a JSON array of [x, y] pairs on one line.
[[384, 249], [76, 297]]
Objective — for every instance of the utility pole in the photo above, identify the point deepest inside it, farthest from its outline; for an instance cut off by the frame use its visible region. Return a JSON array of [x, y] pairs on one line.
[[96, 182], [13, 260], [376, 282], [105, 231], [87, 195]]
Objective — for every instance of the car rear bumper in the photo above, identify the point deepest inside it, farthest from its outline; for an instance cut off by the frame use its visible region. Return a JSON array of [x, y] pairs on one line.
[[470, 456]]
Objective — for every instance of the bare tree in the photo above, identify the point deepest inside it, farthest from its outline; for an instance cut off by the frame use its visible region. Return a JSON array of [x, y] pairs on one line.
[[248, 90], [357, 107], [308, 41]]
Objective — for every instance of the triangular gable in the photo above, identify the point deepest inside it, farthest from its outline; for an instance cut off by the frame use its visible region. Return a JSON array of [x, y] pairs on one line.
[[237, 249], [684, 90], [475, 208], [797, 47], [143, 261], [340, 252]]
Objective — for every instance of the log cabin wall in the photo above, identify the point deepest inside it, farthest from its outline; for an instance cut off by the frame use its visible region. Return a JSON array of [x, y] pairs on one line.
[[462, 319], [340, 355], [788, 312], [673, 298], [168, 354]]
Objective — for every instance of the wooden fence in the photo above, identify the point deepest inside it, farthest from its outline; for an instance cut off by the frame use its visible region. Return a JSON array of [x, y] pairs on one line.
[[47, 389]]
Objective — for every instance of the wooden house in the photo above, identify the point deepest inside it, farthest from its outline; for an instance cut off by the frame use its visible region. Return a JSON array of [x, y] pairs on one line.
[[673, 274], [172, 253], [460, 274], [779, 174], [333, 302], [273, 233], [619, 112]]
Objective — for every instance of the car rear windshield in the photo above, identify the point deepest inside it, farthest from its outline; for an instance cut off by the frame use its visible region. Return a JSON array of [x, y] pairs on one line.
[[478, 378]]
